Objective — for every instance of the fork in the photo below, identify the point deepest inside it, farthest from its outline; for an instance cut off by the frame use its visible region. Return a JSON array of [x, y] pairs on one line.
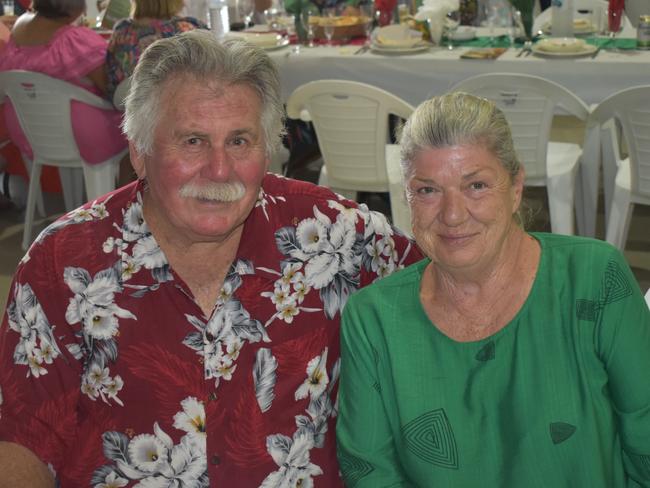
[[528, 45]]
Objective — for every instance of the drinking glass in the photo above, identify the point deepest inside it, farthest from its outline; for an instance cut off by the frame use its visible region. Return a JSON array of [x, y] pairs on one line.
[[451, 26], [614, 18], [309, 12], [271, 17], [368, 14], [329, 24]]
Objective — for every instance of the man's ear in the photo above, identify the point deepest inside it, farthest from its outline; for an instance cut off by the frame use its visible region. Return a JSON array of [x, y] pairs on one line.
[[137, 161]]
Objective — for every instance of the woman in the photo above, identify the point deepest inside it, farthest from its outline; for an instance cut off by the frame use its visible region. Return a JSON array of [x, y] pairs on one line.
[[505, 358], [48, 41], [151, 20]]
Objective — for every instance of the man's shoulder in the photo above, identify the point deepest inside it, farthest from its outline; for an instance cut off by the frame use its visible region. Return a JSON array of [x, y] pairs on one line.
[[281, 186], [85, 228]]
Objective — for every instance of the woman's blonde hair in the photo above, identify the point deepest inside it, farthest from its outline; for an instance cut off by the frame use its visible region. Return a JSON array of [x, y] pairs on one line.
[[156, 9]]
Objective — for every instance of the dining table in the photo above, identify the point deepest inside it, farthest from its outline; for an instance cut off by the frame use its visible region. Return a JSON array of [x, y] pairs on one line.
[[416, 76]]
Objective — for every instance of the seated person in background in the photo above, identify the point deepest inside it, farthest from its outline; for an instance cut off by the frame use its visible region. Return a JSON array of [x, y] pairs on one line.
[[46, 41], [151, 20], [183, 330], [503, 359]]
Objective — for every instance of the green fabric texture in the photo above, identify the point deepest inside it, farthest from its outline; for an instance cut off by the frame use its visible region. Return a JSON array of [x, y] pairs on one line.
[[560, 397], [503, 41]]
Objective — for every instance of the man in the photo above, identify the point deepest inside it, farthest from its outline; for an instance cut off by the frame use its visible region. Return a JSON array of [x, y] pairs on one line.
[[183, 330]]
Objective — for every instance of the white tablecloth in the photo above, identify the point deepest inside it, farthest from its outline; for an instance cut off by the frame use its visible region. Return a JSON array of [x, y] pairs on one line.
[[416, 77]]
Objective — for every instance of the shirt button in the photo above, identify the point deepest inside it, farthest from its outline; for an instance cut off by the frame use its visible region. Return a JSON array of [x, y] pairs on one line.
[[215, 459], [212, 396]]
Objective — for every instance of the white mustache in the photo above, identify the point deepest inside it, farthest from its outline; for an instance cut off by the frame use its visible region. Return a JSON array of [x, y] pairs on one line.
[[222, 192]]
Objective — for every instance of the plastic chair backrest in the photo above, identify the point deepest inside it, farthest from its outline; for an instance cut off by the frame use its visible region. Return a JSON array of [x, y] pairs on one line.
[[351, 122], [43, 106], [631, 107], [529, 103]]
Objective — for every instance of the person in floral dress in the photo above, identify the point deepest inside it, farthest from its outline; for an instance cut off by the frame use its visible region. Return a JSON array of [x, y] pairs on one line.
[[184, 330], [151, 20]]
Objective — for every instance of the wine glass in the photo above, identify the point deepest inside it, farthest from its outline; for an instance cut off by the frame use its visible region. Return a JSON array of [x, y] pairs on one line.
[[451, 26], [307, 17], [288, 23], [368, 13], [329, 23]]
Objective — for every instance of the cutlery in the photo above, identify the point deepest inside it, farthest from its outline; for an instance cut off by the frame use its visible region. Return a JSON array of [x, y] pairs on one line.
[[528, 45], [361, 50]]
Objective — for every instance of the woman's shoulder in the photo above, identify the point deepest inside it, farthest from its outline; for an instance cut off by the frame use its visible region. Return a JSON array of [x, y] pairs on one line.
[[188, 23], [572, 244], [386, 288]]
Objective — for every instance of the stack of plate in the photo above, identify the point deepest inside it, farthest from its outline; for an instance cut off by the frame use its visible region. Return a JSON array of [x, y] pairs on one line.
[[563, 47], [265, 40], [398, 39]]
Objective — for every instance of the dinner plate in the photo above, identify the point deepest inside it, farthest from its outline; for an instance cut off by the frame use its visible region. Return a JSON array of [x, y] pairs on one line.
[[587, 50], [282, 43], [399, 50], [580, 28]]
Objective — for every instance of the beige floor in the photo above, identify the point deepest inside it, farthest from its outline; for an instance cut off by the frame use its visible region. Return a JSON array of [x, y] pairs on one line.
[[637, 249]]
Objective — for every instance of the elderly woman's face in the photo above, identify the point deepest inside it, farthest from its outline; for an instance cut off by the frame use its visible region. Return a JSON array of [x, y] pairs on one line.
[[462, 202]]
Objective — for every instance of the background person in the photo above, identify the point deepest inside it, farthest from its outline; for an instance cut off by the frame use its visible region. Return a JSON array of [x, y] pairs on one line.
[[150, 20], [504, 358], [46, 41], [184, 328]]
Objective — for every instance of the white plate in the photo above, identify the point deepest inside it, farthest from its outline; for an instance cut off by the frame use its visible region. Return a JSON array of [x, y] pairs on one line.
[[587, 50], [282, 43], [578, 29], [399, 50]]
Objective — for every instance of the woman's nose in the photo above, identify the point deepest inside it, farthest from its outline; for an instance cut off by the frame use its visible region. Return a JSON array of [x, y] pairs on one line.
[[453, 210]]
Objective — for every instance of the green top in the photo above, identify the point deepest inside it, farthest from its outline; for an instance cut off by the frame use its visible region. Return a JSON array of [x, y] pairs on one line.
[[560, 397]]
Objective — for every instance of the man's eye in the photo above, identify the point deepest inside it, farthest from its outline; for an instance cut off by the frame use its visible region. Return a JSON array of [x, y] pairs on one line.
[[194, 141], [239, 141], [425, 190], [478, 185]]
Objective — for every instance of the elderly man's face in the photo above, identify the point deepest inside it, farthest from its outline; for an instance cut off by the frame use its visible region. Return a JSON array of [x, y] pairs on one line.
[[463, 205], [208, 160]]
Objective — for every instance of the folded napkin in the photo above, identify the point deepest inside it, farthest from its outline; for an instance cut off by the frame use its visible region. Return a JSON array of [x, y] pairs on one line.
[[259, 39], [397, 36], [434, 12]]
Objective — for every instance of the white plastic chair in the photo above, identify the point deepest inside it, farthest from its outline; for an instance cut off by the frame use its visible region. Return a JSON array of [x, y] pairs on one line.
[[626, 181], [42, 105], [121, 91], [351, 122], [647, 297], [529, 103]]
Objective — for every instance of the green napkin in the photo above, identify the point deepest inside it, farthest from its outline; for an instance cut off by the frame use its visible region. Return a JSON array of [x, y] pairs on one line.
[[499, 41], [616, 43]]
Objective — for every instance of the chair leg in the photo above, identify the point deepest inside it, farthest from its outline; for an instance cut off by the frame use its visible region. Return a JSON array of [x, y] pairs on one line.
[[40, 205], [101, 178], [72, 184], [32, 195], [618, 222], [561, 205]]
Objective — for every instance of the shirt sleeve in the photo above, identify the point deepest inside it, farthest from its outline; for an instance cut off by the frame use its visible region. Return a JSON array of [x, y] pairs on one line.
[[366, 448], [624, 347], [39, 366]]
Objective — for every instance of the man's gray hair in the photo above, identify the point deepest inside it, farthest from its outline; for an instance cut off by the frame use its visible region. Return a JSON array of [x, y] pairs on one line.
[[56, 9], [199, 54], [454, 119]]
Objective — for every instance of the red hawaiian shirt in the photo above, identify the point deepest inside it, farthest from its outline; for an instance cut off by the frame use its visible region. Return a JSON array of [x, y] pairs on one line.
[[113, 376]]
